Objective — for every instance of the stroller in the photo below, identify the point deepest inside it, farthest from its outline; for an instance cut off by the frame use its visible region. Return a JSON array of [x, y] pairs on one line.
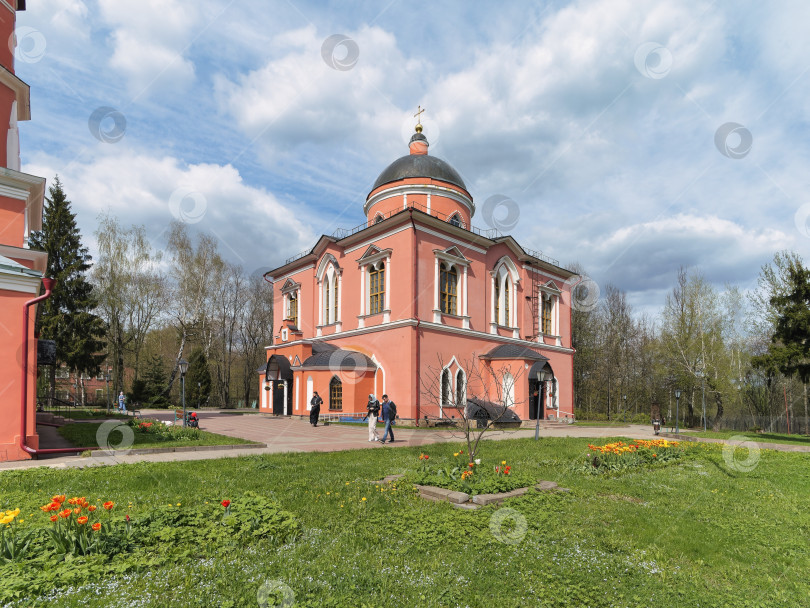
[[192, 421]]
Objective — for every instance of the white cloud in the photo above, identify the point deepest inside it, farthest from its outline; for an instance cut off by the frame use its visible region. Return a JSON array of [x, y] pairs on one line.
[[253, 226]]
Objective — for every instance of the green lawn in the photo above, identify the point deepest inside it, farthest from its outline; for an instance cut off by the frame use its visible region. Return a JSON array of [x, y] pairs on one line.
[[758, 437], [696, 533], [84, 434]]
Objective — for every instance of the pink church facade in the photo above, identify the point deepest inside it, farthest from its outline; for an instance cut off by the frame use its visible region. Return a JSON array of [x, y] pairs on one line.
[[418, 304], [21, 269]]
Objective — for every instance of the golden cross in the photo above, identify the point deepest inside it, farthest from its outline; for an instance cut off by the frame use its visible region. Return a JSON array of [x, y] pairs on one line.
[[419, 118]]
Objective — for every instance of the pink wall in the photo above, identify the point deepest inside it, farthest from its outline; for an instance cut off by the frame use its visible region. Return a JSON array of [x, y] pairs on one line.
[[11, 306]]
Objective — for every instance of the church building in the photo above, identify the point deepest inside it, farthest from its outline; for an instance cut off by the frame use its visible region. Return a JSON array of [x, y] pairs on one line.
[[21, 269], [413, 301]]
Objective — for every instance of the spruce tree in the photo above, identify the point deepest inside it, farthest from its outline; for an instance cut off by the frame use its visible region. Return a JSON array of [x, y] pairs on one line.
[[198, 379], [67, 316], [155, 382]]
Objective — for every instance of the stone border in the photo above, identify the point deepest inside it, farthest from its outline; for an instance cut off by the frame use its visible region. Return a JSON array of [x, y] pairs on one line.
[[460, 500], [102, 453]]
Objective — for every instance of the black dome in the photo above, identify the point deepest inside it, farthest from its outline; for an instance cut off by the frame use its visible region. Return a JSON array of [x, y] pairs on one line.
[[419, 165]]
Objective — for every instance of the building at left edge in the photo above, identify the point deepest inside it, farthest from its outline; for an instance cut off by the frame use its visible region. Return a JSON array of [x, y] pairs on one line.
[[21, 269]]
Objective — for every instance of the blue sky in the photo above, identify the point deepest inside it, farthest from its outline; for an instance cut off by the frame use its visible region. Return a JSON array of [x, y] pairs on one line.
[[606, 122]]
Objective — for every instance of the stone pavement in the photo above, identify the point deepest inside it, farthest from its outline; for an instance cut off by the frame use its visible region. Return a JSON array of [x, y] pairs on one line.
[[297, 435]]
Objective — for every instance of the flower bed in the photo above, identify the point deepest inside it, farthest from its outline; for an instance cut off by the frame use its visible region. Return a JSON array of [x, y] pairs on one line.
[[477, 477], [78, 539], [618, 456]]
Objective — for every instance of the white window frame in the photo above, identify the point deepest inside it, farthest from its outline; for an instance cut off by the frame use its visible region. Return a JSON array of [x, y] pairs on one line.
[[505, 271], [550, 293], [328, 270], [453, 258], [374, 257]]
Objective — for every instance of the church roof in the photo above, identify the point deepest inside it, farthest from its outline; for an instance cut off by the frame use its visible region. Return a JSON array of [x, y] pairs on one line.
[[419, 165], [329, 357], [514, 351]]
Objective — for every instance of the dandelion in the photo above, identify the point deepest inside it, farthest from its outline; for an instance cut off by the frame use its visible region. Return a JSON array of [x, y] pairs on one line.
[[363, 499]]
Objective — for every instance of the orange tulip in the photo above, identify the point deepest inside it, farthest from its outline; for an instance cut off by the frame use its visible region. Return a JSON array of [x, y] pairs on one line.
[[82, 520], [91, 508], [96, 527], [108, 505], [54, 518], [65, 514], [77, 510], [60, 498]]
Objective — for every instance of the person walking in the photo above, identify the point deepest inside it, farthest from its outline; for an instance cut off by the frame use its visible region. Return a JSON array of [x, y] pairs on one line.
[[122, 402], [315, 410], [372, 411], [389, 414]]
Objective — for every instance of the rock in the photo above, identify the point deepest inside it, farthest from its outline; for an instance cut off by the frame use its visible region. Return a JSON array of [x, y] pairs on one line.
[[488, 499], [442, 494], [546, 485]]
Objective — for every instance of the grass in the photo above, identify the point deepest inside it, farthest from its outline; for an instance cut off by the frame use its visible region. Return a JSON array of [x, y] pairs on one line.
[[758, 437], [697, 533], [84, 434]]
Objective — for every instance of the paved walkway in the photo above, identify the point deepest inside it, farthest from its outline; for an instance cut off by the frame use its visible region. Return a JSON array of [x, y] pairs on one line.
[[297, 435]]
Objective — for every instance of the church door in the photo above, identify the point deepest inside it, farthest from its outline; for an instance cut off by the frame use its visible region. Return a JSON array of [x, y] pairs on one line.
[[278, 398], [535, 399]]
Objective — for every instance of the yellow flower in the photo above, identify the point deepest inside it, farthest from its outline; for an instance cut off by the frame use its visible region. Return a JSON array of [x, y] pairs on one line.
[[178, 504], [503, 462], [455, 453], [364, 498]]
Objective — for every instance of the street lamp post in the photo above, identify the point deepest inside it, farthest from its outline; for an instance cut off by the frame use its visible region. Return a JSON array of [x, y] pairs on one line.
[[107, 382], [183, 365], [677, 411], [543, 376]]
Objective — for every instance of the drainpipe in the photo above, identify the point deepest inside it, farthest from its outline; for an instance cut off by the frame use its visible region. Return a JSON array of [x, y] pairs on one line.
[[48, 283], [417, 362]]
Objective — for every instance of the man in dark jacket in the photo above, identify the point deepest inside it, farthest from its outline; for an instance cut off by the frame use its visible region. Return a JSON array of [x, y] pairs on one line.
[[389, 413], [315, 402]]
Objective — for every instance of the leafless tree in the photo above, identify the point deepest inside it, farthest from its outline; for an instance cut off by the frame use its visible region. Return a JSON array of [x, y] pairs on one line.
[[485, 401]]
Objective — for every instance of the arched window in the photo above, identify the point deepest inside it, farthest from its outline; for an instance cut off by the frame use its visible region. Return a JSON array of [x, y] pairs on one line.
[[461, 389], [335, 292], [497, 301], [446, 391], [376, 288], [455, 219], [507, 320], [335, 394], [508, 395], [448, 280], [378, 218], [327, 289]]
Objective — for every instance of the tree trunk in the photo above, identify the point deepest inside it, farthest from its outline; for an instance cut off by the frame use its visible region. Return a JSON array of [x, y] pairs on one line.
[[718, 399]]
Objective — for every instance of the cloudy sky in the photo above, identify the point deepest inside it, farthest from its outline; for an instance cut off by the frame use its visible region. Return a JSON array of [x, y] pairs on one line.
[[632, 137]]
